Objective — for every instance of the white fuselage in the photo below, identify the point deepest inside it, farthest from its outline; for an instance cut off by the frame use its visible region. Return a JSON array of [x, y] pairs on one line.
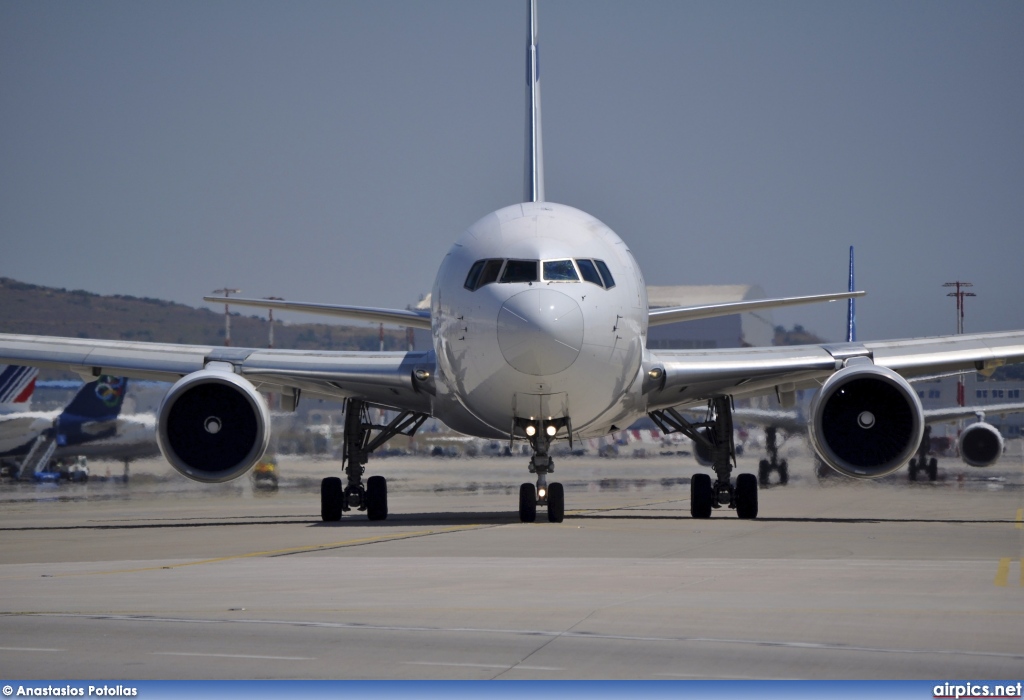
[[547, 348]]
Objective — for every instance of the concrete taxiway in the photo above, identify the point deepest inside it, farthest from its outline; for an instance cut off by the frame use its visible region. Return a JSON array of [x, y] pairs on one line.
[[162, 578]]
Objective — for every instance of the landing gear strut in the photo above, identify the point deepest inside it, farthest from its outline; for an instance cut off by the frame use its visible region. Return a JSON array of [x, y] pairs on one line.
[[359, 443], [773, 463], [552, 496], [921, 461], [715, 435]]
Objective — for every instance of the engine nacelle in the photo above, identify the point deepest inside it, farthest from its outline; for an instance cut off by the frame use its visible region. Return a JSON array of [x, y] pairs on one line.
[[980, 444], [213, 426], [866, 421]]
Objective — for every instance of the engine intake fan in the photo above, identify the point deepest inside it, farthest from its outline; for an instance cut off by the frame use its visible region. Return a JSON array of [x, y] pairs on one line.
[[213, 426], [866, 421], [980, 445]]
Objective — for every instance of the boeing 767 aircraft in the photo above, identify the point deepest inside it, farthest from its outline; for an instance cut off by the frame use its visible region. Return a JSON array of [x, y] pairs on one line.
[[539, 320]]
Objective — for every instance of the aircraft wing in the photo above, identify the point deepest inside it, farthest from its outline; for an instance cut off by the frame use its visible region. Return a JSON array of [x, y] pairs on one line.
[[401, 317], [689, 377], [675, 314], [945, 415], [377, 377]]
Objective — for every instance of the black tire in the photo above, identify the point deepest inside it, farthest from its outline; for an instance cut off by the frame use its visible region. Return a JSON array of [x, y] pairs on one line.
[[527, 503], [913, 470], [701, 496], [764, 471], [377, 498], [331, 499], [783, 472], [556, 503], [746, 496], [933, 469]]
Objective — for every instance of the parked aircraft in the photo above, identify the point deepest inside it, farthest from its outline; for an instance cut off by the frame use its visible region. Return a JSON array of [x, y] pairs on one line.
[[89, 426], [539, 319]]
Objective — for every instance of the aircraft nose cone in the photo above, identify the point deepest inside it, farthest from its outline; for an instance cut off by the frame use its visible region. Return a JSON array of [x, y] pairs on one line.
[[540, 331]]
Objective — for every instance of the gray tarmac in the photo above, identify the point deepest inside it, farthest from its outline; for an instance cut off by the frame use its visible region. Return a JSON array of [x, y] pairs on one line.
[[163, 578]]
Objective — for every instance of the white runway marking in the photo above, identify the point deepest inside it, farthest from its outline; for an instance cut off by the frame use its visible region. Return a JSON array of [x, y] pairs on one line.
[[235, 656], [28, 649], [504, 666]]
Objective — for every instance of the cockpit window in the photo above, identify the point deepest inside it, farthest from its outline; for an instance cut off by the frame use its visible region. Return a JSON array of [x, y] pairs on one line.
[[589, 272], [520, 271], [490, 272], [606, 274], [560, 271]]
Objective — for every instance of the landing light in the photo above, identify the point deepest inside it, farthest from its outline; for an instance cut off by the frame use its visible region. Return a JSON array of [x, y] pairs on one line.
[[531, 430], [542, 492], [551, 430]]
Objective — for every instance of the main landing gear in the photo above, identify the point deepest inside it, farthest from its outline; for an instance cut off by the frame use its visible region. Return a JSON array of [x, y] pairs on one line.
[[773, 463], [715, 435], [359, 443], [921, 462], [552, 496]]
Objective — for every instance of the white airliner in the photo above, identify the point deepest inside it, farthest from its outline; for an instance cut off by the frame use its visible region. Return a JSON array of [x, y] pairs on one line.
[[539, 319]]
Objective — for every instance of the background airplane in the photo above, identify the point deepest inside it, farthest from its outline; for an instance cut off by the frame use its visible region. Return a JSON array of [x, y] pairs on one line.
[[539, 319], [89, 426]]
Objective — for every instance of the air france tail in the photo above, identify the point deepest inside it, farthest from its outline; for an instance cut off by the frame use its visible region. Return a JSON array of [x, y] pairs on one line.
[[16, 385]]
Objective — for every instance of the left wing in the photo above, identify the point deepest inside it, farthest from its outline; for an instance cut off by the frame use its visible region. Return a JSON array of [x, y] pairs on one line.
[[687, 377]]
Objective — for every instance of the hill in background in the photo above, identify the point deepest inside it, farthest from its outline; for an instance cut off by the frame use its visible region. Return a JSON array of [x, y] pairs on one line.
[[36, 310]]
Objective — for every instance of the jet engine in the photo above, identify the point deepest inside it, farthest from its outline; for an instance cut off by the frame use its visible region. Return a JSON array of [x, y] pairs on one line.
[[213, 426], [866, 421], [980, 445]]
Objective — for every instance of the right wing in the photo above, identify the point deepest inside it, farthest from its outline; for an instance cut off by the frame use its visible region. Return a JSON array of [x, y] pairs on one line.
[[385, 378]]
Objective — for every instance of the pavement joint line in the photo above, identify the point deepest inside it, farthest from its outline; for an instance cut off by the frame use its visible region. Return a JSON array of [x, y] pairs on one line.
[[303, 549], [815, 646]]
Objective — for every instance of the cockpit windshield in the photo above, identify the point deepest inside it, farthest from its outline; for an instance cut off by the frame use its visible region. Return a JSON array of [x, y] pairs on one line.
[[491, 270]]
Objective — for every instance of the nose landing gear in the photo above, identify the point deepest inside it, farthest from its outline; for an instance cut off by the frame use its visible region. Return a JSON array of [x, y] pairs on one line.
[[552, 496]]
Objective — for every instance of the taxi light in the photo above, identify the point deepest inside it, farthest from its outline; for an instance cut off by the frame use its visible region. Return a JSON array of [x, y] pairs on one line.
[[551, 430], [531, 430], [542, 492]]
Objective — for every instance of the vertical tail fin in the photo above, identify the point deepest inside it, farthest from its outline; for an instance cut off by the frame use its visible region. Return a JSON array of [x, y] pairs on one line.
[[851, 312], [16, 384], [98, 400], [92, 414], [534, 149]]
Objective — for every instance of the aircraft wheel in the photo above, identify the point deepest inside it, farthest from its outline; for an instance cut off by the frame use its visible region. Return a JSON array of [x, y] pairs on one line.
[[764, 470], [331, 499], [701, 496], [783, 472], [376, 498], [746, 496], [527, 503], [556, 503], [913, 469], [933, 469]]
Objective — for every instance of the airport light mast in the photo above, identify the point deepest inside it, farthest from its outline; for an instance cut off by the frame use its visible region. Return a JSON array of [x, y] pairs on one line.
[[270, 315], [960, 294], [227, 316]]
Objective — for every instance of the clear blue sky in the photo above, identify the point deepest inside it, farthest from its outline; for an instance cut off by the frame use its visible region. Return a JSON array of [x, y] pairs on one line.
[[332, 151]]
